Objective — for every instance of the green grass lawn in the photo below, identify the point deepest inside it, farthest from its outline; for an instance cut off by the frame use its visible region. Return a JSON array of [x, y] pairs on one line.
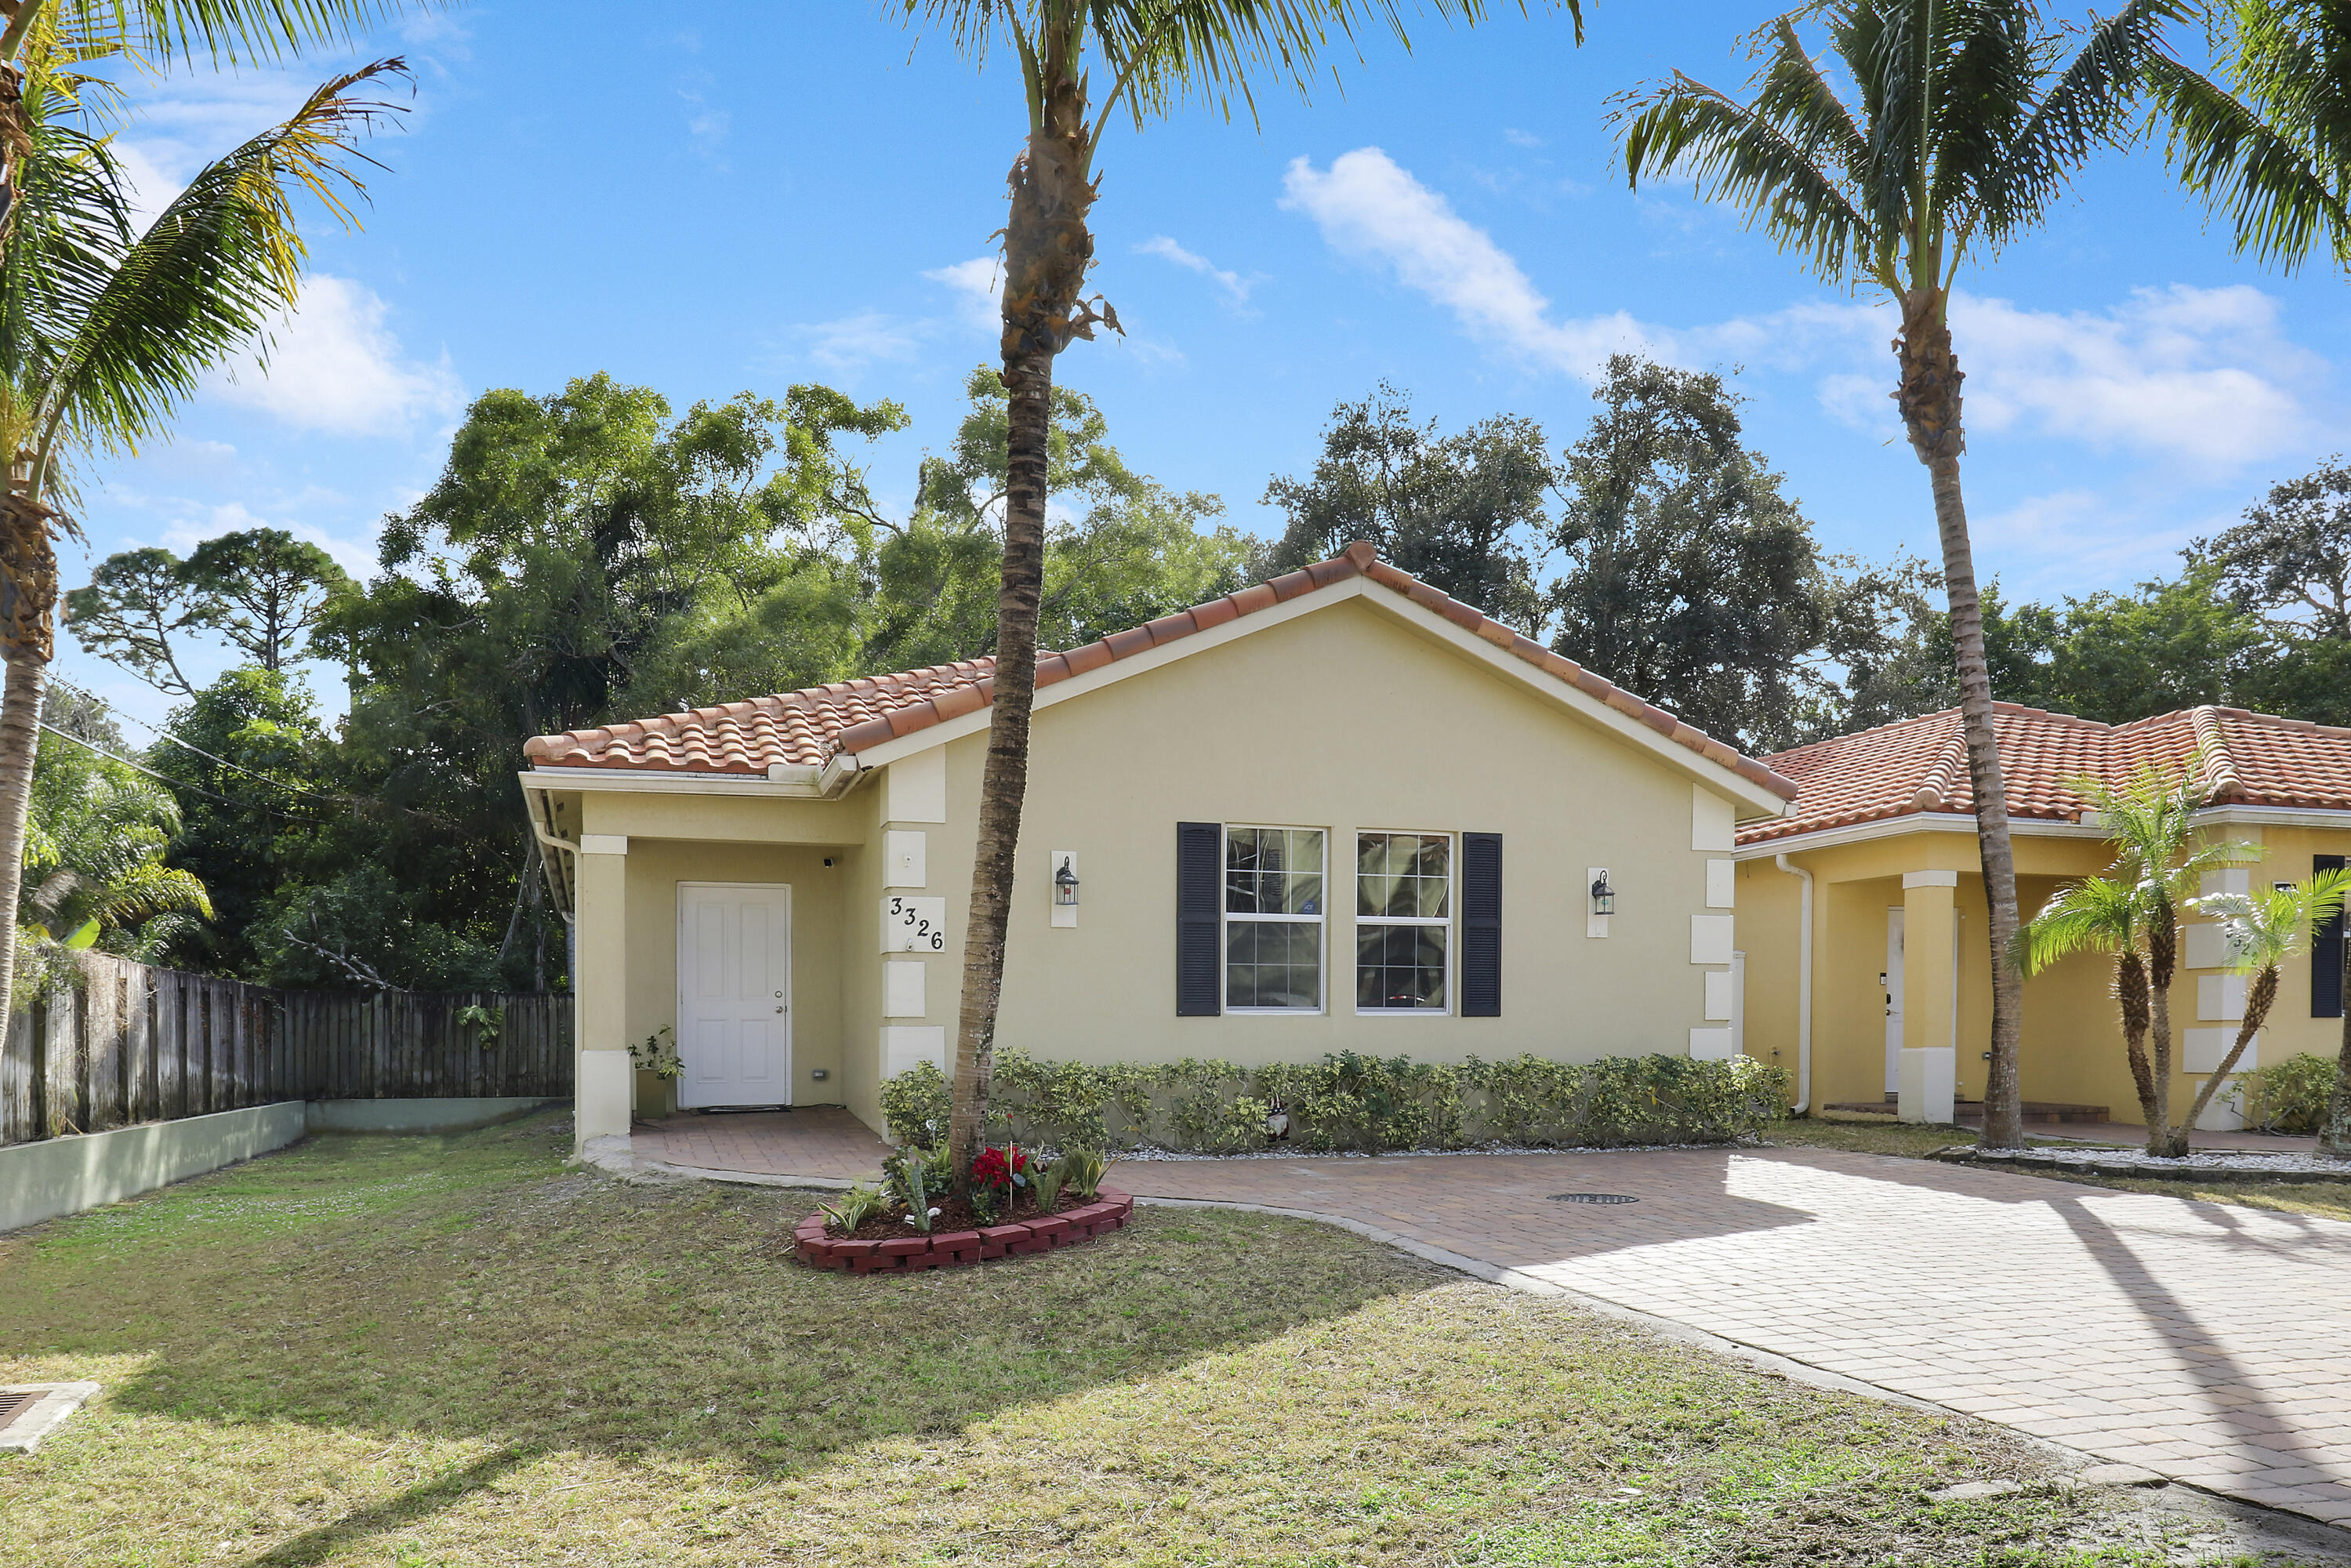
[[423, 1352]]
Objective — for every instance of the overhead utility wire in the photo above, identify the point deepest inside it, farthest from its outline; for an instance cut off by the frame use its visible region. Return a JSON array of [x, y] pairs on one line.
[[113, 757]]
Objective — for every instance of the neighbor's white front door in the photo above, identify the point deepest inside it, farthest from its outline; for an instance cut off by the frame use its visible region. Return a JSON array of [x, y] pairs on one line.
[[1893, 1002], [734, 994]]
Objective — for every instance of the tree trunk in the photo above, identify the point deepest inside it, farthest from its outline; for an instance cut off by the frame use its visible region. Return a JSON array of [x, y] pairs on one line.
[[2334, 1137], [20, 741], [1046, 250], [2259, 999], [2163, 968], [1928, 396], [2131, 996]]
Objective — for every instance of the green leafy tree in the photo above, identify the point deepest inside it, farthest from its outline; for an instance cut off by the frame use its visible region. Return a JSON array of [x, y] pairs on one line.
[[1153, 53], [2170, 645], [1464, 513], [106, 328], [1688, 575], [264, 589], [138, 611], [1968, 120]]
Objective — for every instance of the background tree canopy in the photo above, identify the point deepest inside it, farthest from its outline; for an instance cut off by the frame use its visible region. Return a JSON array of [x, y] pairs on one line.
[[593, 555]]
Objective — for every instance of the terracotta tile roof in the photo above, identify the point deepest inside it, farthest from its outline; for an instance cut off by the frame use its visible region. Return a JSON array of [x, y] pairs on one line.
[[1920, 765], [811, 727]]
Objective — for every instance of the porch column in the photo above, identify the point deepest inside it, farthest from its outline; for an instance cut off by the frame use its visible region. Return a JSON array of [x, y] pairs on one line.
[[1929, 995], [604, 1086]]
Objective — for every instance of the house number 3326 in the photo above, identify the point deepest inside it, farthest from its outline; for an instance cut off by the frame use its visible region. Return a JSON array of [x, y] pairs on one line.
[[913, 924]]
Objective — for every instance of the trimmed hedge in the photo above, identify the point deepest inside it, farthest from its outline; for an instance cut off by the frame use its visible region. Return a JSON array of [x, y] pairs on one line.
[[1350, 1102]]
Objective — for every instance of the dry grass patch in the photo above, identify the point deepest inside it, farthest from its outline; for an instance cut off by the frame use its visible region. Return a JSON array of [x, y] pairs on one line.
[[428, 1353]]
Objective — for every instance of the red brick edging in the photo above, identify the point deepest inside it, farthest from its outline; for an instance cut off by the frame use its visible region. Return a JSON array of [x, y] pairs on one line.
[[1108, 1211]]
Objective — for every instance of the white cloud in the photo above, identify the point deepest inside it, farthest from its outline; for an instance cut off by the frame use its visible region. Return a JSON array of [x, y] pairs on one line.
[[1522, 138], [852, 342], [2074, 540], [1232, 283], [977, 287], [334, 366], [1369, 207]]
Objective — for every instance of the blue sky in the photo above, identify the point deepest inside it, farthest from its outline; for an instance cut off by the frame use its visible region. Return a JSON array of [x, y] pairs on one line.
[[711, 197]]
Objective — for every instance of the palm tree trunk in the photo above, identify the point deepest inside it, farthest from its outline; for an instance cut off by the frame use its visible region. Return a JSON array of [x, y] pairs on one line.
[[20, 739], [2259, 999], [1046, 250], [1928, 396], [28, 601], [2335, 1136], [2163, 968], [2131, 995]]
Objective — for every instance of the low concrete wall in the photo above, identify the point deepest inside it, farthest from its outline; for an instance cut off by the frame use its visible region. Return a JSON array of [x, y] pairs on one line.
[[417, 1115], [65, 1175]]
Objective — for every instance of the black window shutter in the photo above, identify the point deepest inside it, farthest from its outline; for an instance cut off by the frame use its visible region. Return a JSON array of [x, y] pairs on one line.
[[1199, 879], [1481, 926], [2326, 953]]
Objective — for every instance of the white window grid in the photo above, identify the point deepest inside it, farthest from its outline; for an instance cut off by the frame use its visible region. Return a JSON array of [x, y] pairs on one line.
[[1322, 947], [1446, 920]]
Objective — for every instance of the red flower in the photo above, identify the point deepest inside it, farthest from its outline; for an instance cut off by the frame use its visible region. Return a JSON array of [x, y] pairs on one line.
[[996, 1167]]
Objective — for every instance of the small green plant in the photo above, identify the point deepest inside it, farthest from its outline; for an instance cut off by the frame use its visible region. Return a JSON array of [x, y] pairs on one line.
[[915, 1176], [491, 1022], [658, 1054], [1047, 1180], [858, 1205], [1081, 1171], [2289, 1096]]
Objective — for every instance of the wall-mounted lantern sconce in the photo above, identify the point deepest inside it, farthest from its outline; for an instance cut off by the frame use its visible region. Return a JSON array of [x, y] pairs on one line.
[[1603, 898], [1065, 888]]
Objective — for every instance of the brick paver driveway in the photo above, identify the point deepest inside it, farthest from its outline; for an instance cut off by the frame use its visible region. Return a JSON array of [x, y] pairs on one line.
[[2208, 1342]]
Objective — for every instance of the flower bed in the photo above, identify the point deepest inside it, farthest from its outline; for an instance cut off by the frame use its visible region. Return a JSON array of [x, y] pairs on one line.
[[1109, 1210], [2238, 1165]]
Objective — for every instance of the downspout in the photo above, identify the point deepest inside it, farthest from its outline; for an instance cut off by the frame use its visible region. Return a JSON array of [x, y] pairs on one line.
[[566, 897], [1803, 992]]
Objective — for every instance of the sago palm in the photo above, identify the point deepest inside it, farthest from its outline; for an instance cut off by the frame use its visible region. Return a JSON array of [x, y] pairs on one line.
[[1968, 120], [2263, 929], [105, 329], [1154, 54], [2101, 915]]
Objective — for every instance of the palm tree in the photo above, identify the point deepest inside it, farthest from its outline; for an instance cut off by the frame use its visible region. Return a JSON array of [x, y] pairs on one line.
[[106, 329], [2151, 822], [2100, 914], [2273, 155], [1971, 117], [2134, 914], [1153, 53], [2264, 930]]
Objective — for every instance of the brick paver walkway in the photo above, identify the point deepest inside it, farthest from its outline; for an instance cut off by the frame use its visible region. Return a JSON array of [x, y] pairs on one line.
[[2208, 1343]]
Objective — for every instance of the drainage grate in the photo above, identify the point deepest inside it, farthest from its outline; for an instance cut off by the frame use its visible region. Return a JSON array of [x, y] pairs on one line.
[[1591, 1198], [15, 1402]]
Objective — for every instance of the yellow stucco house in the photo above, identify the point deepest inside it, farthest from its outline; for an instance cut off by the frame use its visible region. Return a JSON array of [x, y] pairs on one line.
[[1335, 812], [1860, 915]]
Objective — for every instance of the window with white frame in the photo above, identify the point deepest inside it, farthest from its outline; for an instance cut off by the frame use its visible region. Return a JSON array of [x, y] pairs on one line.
[[1403, 921], [1273, 919]]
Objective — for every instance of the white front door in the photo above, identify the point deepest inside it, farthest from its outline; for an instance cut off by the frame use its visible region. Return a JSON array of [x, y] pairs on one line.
[[734, 994], [1893, 978]]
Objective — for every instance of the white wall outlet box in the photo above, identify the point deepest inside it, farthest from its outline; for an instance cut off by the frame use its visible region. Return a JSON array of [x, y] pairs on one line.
[[1721, 884], [1713, 826], [1709, 1045], [905, 858], [913, 924], [2206, 948], [1065, 916], [2220, 998], [915, 790], [1710, 940], [2203, 1049], [1717, 994], [901, 988], [905, 1047]]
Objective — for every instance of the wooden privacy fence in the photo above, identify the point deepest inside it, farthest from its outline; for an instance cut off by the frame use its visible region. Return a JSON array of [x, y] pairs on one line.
[[143, 1045]]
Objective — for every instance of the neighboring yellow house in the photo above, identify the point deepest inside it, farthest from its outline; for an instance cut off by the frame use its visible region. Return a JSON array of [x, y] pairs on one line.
[[1861, 915], [1338, 812]]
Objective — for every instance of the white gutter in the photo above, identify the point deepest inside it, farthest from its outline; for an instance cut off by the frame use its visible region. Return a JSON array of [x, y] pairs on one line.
[[560, 886], [1803, 992]]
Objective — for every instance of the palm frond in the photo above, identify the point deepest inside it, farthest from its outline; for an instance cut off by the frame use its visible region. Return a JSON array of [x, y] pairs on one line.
[[232, 32], [2265, 927], [2095, 914], [1733, 153], [2280, 201], [205, 278], [2089, 106]]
